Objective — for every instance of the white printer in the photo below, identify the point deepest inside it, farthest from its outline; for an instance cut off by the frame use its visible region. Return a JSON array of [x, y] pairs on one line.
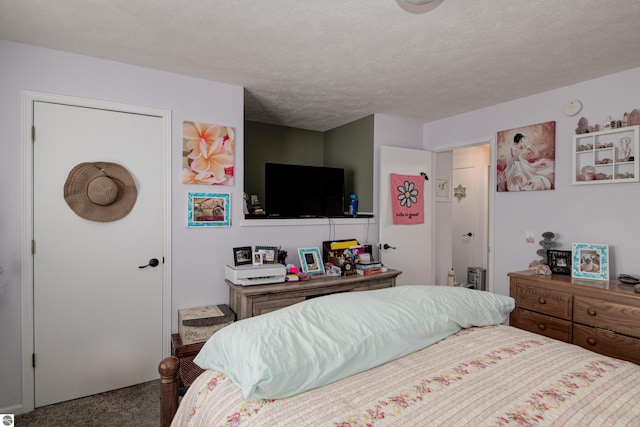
[[246, 275]]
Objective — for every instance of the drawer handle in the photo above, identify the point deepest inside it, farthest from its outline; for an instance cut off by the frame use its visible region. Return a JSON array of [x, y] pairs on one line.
[[542, 300], [591, 341], [591, 312], [542, 326]]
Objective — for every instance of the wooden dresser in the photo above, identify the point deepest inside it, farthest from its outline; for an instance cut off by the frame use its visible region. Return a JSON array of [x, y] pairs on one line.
[[598, 315], [249, 301]]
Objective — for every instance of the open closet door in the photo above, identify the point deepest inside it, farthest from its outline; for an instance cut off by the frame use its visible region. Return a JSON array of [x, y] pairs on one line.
[[407, 247]]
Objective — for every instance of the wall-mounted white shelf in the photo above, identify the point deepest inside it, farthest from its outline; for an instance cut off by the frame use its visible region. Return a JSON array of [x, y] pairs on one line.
[[305, 221], [605, 157]]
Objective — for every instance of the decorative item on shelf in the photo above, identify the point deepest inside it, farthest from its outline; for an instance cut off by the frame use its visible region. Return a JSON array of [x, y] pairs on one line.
[[254, 207], [546, 243], [583, 126], [625, 149], [460, 192], [634, 117], [608, 123], [245, 204], [587, 173]]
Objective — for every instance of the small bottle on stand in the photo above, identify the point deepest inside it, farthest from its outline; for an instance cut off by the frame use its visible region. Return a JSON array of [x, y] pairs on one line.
[[353, 205], [451, 277]]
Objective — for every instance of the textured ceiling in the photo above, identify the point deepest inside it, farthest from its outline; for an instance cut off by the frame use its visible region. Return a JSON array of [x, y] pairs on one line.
[[318, 64]]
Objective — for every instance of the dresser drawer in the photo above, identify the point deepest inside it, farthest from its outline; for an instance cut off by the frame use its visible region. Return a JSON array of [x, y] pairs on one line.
[[544, 325], [607, 343], [607, 315], [557, 304], [262, 307]]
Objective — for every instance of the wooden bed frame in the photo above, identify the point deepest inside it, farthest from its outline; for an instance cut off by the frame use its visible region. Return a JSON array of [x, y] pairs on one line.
[[169, 390]]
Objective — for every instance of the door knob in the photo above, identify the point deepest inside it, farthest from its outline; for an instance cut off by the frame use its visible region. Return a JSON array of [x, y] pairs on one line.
[[388, 246], [153, 262], [469, 234]]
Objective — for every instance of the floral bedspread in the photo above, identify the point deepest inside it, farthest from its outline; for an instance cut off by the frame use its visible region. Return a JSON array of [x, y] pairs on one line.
[[491, 376]]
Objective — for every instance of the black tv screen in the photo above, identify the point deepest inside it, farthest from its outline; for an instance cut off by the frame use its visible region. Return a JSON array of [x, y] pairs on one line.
[[295, 191]]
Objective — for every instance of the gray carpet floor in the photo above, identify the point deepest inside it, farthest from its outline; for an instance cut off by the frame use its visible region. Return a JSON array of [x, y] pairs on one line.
[[138, 405]]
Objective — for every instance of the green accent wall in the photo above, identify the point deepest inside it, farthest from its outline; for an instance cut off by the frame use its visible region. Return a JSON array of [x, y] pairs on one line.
[[349, 147]]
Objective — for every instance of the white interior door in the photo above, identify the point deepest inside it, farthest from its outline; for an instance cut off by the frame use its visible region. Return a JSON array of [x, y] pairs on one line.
[[408, 246], [464, 233], [98, 318]]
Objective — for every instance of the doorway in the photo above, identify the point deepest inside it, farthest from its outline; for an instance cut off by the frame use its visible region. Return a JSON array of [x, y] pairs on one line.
[[469, 206], [464, 236], [92, 319]]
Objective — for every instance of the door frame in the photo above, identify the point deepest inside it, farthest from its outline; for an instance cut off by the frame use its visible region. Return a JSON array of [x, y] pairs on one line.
[[28, 99], [492, 185]]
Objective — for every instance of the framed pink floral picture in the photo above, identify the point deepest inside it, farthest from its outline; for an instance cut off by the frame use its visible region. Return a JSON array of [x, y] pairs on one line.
[[526, 158], [208, 153]]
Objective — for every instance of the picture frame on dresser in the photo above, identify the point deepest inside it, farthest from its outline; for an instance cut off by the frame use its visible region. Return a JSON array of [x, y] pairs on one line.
[[269, 254], [311, 261], [590, 261], [242, 256], [559, 261]]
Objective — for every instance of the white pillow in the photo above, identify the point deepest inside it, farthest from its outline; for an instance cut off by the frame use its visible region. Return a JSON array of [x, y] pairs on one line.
[[322, 340]]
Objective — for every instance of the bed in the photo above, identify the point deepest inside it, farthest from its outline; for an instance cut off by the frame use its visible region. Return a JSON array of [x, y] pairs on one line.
[[399, 357]]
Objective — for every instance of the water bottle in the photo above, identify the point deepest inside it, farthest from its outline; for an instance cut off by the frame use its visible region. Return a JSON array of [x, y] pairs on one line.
[[353, 205]]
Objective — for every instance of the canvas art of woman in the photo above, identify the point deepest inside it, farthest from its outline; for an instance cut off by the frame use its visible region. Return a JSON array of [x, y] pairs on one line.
[[528, 161]]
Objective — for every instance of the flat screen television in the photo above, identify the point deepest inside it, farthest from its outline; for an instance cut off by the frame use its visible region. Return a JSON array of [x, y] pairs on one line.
[[295, 191]]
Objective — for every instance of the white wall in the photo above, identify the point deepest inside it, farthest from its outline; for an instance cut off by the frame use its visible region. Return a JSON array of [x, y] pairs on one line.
[[199, 256], [595, 214], [605, 214], [393, 132]]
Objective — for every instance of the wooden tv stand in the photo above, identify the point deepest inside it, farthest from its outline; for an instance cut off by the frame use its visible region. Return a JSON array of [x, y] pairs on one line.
[[249, 301]]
